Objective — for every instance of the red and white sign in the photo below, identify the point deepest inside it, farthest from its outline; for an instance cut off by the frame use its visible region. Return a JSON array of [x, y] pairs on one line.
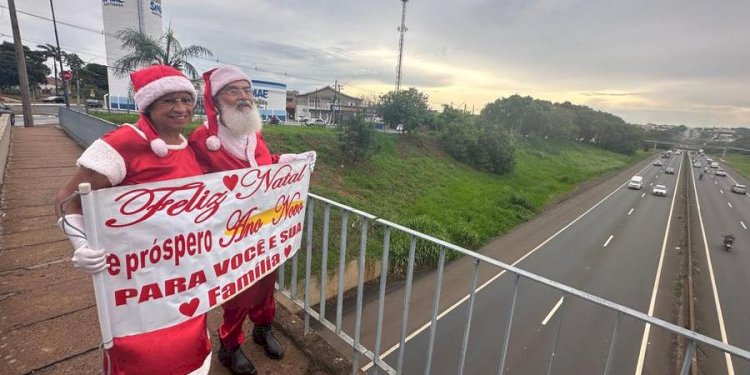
[[179, 248], [66, 75]]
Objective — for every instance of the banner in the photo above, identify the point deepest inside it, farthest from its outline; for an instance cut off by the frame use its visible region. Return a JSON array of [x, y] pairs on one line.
[[179, 248]]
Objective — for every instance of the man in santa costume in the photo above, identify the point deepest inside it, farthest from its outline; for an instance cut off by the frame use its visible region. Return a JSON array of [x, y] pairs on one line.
[[231, 139], [150, 150]]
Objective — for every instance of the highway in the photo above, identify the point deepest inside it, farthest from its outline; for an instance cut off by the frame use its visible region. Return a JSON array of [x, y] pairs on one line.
[[612, 251], [723, 285]]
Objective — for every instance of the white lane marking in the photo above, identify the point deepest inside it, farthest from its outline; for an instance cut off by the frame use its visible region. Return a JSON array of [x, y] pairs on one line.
[[721, 191], [493, 278], [551, 313], [631, 211], [651, 184], [716, 182], [714, 289], [643, 195], [608, 239], [743, 225], [730, 205], [655, 291]]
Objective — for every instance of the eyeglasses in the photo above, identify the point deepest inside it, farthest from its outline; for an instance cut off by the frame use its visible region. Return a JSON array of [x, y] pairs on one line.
[[172, 102], [235, 91]]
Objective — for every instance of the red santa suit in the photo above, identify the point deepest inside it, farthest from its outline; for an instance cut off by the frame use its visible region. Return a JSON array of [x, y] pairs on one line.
[[125, 157], [219, 150]]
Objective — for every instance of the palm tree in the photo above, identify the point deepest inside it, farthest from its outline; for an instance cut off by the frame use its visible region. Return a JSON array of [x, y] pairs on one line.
[[148, 50], [51, 51]]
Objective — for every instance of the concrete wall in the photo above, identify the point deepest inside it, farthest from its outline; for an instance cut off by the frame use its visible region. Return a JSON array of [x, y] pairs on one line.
[[4, 144], [351, 272]]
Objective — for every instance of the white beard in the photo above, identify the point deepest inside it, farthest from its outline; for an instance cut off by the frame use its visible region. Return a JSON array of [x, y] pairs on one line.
[[241, 121]]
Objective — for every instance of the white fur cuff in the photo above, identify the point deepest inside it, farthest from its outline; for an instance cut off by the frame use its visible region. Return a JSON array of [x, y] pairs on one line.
[[102, 158], [163, 86]]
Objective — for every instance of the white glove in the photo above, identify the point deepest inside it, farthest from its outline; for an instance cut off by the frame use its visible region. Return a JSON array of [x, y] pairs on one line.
[[84, 258], [309, 156]]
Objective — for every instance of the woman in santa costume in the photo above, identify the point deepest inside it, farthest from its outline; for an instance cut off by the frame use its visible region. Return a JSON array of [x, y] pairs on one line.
[[150, 150], [229, 139]]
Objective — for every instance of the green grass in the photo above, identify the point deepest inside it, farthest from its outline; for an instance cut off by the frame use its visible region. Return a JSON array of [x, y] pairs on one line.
[[740, 163]]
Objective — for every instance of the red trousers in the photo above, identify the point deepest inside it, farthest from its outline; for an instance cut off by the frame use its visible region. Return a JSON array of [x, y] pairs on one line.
[[176, 350], [256, 302]]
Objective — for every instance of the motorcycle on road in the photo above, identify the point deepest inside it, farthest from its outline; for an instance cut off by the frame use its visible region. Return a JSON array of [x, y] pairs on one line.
[[728, 241]]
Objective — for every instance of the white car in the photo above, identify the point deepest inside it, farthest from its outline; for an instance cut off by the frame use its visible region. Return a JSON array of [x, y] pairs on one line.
[[720, 172], [739, 189], [659, 190], [696, 165]]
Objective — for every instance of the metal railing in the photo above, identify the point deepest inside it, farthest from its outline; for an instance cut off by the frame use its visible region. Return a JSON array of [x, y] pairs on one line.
[[316, 252]]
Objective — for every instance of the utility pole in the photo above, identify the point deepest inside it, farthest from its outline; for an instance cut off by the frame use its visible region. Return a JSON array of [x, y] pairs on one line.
[[402, 29], [59, 56], [23, 75]]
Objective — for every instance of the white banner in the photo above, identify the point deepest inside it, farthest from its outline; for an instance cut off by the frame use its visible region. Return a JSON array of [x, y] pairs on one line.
[[179, 248]]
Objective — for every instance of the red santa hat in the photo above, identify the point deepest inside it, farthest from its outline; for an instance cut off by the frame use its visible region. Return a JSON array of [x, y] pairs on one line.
[[150, 84], [215, 80]]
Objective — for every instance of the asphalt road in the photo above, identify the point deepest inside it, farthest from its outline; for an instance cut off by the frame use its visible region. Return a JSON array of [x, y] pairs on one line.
[[723, 287], [612, 251], [44, 114]]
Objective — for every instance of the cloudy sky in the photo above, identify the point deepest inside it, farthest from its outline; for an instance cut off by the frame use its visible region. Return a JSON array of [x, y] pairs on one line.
[[662, 61]]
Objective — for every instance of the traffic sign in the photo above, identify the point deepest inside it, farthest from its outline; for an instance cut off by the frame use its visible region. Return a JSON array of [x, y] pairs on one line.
[[66, 75]]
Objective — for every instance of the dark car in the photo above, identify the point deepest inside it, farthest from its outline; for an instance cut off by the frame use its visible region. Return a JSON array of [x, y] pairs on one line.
[[54, 99], [5, 110], [94, 103], [669, 170]]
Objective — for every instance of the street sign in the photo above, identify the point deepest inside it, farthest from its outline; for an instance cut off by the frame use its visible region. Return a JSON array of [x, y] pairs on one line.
[[66, 75]]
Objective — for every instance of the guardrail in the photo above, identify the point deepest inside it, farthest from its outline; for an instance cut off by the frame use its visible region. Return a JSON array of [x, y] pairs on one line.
[[368, 222]]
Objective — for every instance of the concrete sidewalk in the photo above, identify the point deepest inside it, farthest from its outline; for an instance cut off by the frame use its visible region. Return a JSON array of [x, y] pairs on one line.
[[48, 321]]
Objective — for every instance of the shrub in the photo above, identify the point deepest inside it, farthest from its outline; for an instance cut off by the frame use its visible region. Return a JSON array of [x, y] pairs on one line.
[[463, 235], [426, 254], [357, 140], [482, 146]]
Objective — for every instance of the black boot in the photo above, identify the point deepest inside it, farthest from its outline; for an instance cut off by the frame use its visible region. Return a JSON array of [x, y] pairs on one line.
[[236, 361], [263, 336]]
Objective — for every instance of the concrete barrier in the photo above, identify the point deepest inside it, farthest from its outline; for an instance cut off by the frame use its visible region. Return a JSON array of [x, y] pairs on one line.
[[4, 143], [83, 128]]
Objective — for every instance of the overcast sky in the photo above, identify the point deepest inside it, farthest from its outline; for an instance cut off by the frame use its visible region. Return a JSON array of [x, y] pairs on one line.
[[661, 61]]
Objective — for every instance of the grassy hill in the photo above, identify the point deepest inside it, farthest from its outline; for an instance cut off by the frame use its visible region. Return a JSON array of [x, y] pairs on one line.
[[410, 176]]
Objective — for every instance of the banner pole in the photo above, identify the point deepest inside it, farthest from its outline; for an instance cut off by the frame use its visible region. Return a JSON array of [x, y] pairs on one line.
[[90, 210]]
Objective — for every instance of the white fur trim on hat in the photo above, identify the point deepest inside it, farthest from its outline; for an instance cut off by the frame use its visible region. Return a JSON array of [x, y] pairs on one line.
[[162, 86], [102, 158], [224, 76]]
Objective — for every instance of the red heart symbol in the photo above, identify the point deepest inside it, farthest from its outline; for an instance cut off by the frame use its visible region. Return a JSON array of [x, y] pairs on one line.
[[231, 181], [287, 251], [188, 308]]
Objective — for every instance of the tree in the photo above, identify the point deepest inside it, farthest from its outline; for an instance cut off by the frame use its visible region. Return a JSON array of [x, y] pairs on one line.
[[406, 107], [357, 139], [165, 50], [96, 75], [76, 67], [50, 51], [35, 66]]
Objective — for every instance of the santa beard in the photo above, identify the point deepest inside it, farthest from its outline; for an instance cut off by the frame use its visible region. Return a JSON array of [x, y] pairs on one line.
[[241, 119]]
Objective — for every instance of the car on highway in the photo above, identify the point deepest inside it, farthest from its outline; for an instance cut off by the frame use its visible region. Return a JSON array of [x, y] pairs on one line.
[[714, 164], [54, 99], [720, 172], [669, 170], [635, 183], [739, 189], [5, 110], [696, 165], [658, 163], [659, 190]]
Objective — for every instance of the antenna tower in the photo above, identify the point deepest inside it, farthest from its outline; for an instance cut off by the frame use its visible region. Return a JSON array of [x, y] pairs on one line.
[[402, 29]]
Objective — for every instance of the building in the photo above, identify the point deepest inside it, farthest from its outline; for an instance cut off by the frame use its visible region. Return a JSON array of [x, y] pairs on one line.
[[328, 104], [142, 15]]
